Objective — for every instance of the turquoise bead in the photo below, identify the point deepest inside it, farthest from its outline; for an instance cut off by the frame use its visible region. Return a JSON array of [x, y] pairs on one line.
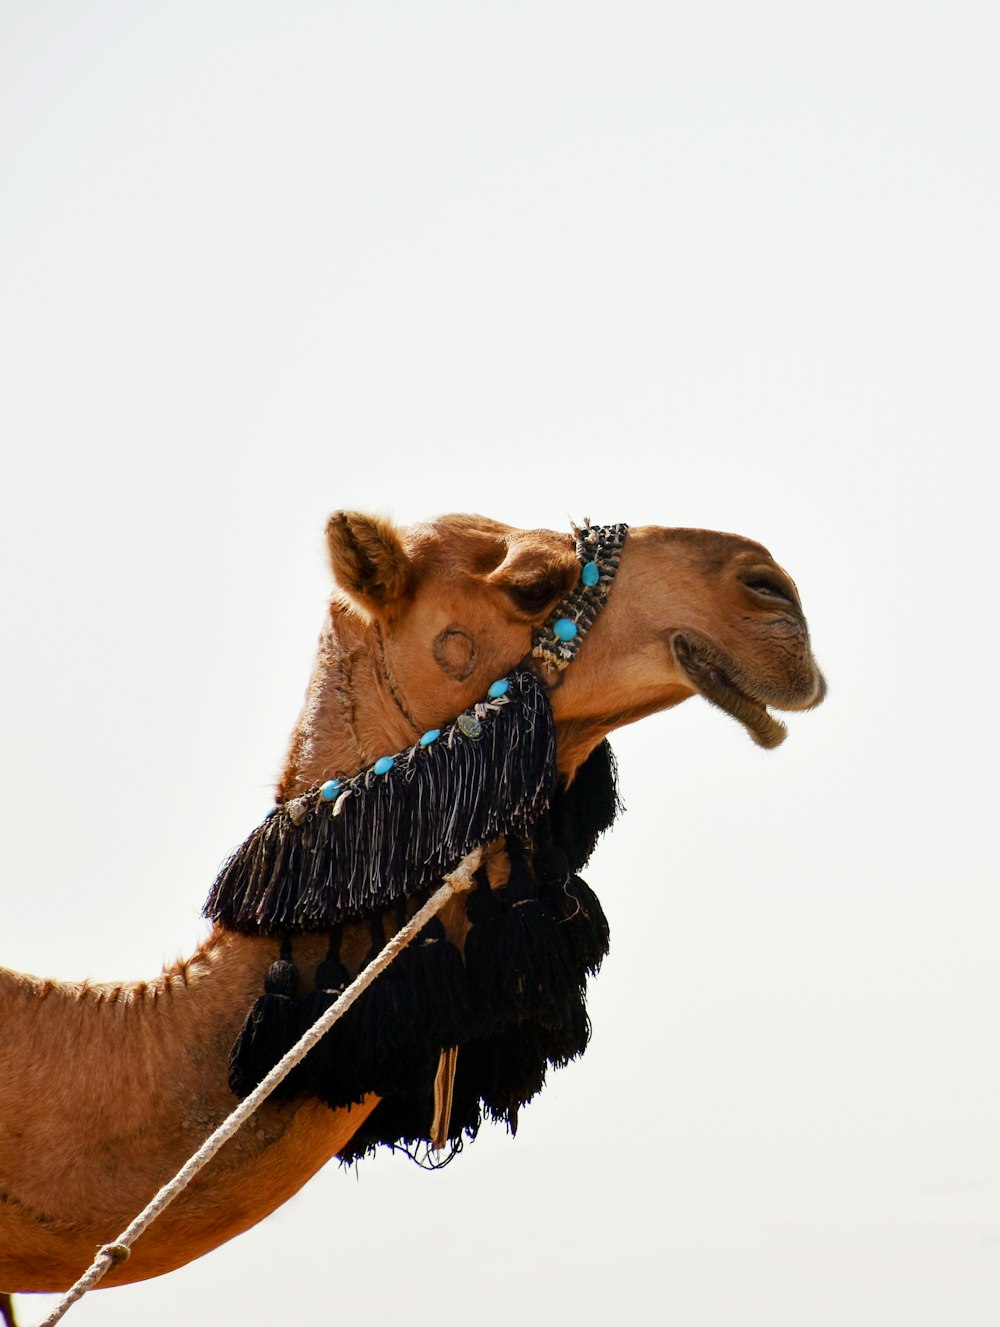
[[329, 790], [564, 628], [384, 764], [499, 689], [431, 735], [591, 573]]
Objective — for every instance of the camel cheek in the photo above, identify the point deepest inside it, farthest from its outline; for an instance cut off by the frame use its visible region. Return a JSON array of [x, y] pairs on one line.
[[456, 653]]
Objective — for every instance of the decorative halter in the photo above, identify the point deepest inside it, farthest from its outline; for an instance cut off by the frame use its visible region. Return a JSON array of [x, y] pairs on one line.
[[599, 548], [373, 844]]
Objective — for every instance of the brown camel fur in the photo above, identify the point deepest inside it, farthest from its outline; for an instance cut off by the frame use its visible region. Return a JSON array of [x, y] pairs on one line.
[[106, 1090]]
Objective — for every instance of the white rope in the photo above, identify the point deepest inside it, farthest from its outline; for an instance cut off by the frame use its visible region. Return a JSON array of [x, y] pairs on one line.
[[110, 1255]]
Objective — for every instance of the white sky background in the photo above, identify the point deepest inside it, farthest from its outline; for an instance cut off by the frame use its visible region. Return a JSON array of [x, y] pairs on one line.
[[683, 263]]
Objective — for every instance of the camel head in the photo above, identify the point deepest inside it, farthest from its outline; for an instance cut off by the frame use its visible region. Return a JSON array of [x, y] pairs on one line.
[[437, 611]]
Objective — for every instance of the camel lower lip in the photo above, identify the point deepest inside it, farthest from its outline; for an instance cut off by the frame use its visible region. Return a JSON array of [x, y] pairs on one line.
[[715, 684]]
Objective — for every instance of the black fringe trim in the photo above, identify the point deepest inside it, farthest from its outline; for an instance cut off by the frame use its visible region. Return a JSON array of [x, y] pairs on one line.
[[515, 1006], [312, 864], [516, 956], [514, 1003]]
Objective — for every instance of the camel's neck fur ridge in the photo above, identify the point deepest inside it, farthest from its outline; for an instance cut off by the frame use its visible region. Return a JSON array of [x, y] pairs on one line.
[[354, 709]]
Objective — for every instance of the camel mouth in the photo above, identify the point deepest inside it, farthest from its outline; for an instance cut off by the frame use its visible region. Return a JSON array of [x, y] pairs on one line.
[[713, 679]]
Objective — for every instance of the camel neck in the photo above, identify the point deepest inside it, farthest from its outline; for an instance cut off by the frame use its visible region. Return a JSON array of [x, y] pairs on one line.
[[354, 711], [142, 1080]]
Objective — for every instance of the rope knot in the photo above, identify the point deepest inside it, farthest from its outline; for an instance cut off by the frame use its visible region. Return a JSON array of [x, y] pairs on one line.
[[118, 1253]]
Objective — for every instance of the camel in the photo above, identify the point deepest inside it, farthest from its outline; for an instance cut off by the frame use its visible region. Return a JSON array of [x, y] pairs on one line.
[[105, 1090]]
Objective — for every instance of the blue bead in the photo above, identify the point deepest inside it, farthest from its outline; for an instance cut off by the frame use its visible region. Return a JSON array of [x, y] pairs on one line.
[[564, 628], [384, 764], [431, 735], [591, 573], [499, 689], [329, 790]]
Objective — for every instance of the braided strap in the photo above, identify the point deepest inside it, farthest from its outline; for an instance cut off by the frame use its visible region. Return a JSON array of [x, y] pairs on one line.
[[599, 549]]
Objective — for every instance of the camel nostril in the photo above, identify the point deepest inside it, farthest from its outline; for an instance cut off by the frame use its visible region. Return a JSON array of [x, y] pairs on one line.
[[768, 589]]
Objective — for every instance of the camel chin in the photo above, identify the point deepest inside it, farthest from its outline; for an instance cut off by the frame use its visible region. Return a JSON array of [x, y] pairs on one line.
[[730, 688]]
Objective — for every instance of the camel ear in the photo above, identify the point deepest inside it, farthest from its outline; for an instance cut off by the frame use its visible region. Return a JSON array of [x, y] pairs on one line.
[[368, 559]]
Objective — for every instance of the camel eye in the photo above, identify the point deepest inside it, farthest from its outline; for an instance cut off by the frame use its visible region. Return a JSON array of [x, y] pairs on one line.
[[531, 596]]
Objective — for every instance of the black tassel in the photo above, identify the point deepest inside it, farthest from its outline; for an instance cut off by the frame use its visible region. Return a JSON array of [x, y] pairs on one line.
[[566, 837], [433, 969], [485, 912], [503, 1072], [329, 1070], [550, 861], [402, 1121], [306, 868], [584, 927], [270, 1030], [559, 1044], [518, 963], [590, 805], [331, 975], [378, 1046], [499, 1074]]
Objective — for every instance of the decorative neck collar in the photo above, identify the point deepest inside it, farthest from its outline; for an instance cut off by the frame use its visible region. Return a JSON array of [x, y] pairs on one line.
[[400, 824], [508, 987]]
